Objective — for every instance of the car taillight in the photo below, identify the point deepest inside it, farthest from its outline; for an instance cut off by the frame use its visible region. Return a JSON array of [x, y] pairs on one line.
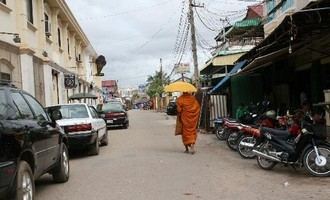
[[78, 128]]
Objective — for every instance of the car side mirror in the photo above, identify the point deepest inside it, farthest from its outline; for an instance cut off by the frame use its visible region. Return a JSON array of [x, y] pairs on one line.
[[44, 123], [55, 115], [100, 114]]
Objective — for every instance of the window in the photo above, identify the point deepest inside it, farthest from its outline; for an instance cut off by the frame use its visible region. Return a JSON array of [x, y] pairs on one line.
[[3, 1], [270, 10], [5, 76], [22, 107], [37, 108], [29, 9], [286, 5], [72, 111], [5, 72], [93, 112], [47, 25], [59, 37]]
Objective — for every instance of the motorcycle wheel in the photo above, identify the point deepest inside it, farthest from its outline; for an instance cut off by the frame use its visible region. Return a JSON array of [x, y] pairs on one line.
[[317, 167], [265, 163], [244, 151], [220, 133], [232, 140]]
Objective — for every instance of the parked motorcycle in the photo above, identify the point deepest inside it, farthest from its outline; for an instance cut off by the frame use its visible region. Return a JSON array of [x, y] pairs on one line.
[[309, 149], [241, 130], [246, 142]]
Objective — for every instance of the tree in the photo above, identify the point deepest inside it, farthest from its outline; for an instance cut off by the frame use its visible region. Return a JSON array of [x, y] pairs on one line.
[[155, 83]]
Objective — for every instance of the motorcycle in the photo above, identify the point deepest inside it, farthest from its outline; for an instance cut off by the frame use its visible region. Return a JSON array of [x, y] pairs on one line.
[[309, 149], [242, 130], [250, 133], [223, 126]]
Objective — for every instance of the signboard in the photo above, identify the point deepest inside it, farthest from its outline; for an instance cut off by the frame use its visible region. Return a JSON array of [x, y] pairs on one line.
[[69, 81], [182, 68]]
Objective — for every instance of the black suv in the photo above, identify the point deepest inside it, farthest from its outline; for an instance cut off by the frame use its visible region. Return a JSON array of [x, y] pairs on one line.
[[171, 108], [31, 144]]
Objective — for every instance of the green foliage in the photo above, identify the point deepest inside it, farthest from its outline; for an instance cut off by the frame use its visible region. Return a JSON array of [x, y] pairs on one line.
[[156, 84]]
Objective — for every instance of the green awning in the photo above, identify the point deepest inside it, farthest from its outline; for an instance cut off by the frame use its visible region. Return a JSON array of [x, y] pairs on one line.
[[82, 96], [247, 23]]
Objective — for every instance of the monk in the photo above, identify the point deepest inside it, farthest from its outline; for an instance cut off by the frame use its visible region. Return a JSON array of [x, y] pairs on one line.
[[188, 112]]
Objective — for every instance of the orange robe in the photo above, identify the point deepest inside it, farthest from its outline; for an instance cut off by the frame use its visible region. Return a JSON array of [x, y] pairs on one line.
[[188, 110]]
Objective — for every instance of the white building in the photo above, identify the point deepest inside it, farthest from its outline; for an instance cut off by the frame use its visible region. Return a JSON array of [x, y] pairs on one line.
[[52, 45]]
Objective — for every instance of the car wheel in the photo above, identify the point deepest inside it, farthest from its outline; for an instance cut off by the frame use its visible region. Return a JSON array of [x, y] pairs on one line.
[[62, 170], [25, 188], [105, 139], [95, 149]]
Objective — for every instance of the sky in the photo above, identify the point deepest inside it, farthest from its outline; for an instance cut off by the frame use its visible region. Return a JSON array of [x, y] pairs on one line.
[[134, 35]]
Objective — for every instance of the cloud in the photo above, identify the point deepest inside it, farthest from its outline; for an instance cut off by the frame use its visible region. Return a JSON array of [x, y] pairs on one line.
[[133, 35]]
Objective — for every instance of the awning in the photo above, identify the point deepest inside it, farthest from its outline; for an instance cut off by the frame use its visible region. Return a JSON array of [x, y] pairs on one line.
[[221, 60], [265, 60], [248, 23], [237, 67], [82, 96]]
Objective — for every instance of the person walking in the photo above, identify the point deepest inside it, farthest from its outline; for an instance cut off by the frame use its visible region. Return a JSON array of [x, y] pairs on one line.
[[188, 110]]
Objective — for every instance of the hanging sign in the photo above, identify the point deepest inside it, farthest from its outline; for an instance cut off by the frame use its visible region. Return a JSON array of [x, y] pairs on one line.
[[182, 68], [69, 81]]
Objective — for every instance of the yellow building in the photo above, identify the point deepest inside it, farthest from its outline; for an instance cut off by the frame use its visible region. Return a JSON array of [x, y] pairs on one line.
[[52, 45]]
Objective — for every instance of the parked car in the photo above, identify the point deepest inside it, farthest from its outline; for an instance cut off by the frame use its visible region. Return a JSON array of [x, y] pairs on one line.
[[31, 144], [171, 108], [114, 114], [83, 126]]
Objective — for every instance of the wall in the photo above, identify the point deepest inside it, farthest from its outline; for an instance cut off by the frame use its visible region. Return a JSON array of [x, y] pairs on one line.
[[9, 56]]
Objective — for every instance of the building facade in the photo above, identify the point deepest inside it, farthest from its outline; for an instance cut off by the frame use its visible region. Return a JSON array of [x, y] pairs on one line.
[[276, 10], [52, 46]]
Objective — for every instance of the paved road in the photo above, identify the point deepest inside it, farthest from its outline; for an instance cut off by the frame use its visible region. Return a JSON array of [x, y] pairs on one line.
[[147, 162]]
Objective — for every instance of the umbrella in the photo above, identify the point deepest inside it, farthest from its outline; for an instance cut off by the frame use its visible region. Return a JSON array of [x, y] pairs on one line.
[[180, 86]]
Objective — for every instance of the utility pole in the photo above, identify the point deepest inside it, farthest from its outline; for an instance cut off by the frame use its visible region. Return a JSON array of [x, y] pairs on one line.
[[161, 70], [193, 41]]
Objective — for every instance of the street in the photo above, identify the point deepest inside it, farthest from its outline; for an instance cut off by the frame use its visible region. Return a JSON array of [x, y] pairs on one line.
[[146, 161]]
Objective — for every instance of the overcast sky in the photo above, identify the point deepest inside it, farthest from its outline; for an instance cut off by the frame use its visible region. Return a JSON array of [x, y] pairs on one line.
[[134, 35]]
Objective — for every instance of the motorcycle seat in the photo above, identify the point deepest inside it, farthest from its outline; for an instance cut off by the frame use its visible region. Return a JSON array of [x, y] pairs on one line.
[[276, 132]]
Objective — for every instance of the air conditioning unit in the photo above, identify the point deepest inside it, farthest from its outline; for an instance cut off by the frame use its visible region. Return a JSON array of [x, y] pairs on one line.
[[48, 29], [48, 34]]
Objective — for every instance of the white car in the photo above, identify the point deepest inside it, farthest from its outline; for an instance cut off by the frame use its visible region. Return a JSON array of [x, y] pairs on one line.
[[85, 129]]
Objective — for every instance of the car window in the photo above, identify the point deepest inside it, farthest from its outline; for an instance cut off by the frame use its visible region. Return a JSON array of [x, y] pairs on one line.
[[93, 112], [72, 111], [22, 106], [112, 107], [36, 107]]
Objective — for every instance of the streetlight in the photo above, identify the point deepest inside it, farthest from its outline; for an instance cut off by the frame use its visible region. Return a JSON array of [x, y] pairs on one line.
[[16, 38]]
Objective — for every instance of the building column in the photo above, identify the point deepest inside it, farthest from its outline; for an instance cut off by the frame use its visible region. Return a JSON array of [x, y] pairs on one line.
[[48, 85], [61, 88], [27, 73]]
